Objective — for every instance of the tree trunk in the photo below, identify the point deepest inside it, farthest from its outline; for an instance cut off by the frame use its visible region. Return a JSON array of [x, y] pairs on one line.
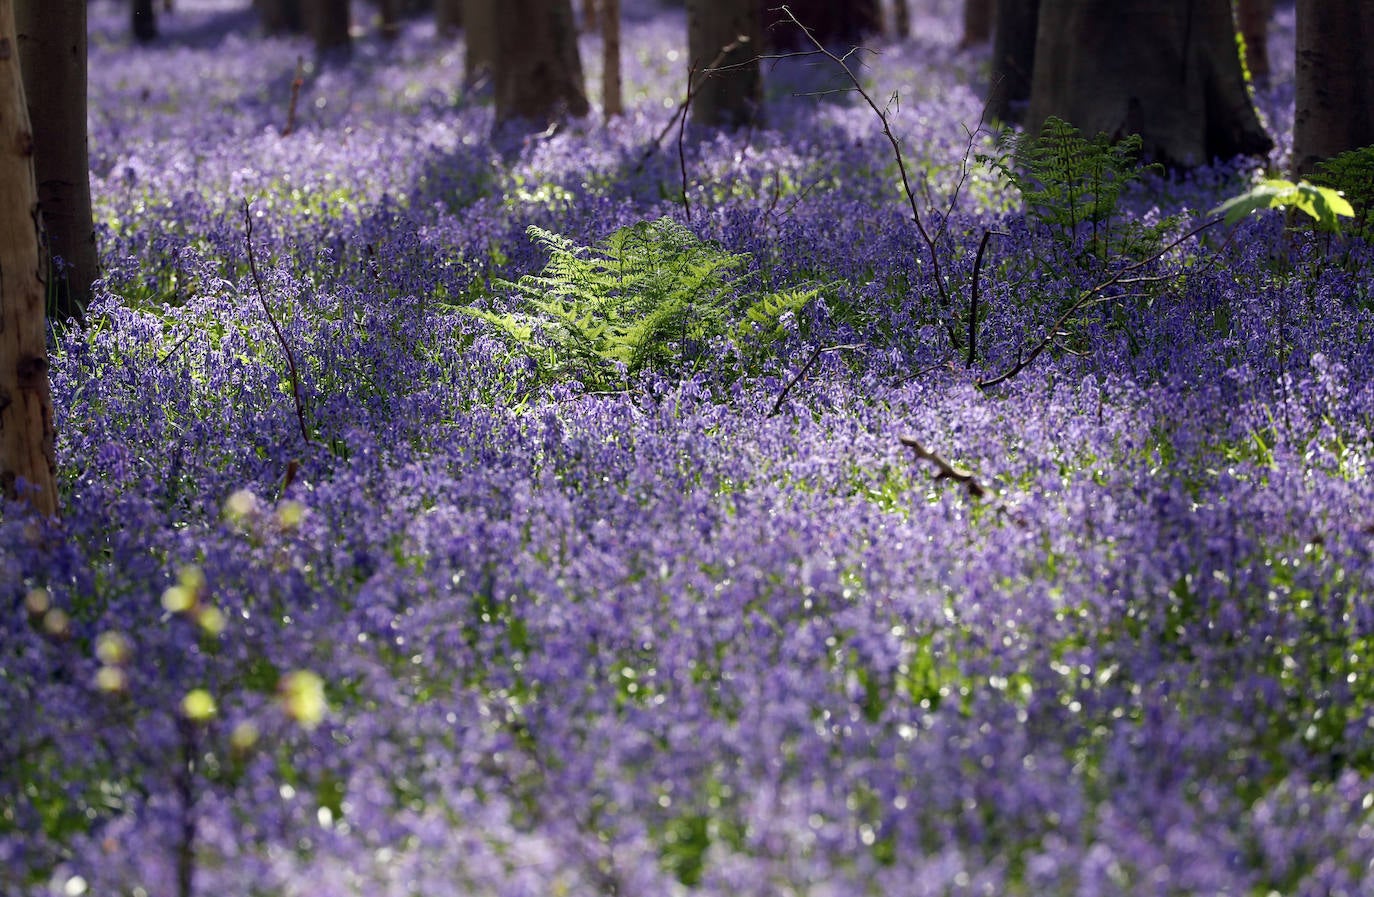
[[613, 100], [835, 24], [537, 75], [977, 22], [327, 21], [901, 19], [144, 20], [1013, 58], [1252, 20], [280, 16], [589, 15], [1335, 80], [724, 40], [389, 19], [26, 416], [448, 17], [52, 52], [1165, 69], [479, 41]]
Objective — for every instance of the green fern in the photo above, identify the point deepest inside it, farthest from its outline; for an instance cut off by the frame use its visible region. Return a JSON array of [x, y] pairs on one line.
[[651, 296], [1352, 173]]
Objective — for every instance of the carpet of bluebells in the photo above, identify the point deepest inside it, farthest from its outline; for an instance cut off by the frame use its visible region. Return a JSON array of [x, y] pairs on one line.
[[719, 630]]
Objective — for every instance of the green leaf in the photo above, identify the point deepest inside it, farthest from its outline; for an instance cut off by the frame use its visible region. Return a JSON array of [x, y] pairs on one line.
[[1323, 204]]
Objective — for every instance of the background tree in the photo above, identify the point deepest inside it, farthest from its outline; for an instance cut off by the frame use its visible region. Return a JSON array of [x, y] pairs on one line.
[[26, 418], [1335, 80], [479, 41], [1252, 20], [448, 16], [724, 39], [280, 16], [52, 53], [537, 73], [978, 15], [328, 21], [143, 20], [901, 19], [834, 24], [1168, 70], [589, 14], [1013, 58], [613, 100]]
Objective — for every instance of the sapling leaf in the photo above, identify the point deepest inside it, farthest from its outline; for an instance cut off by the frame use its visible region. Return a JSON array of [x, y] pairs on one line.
[[1325, 205]]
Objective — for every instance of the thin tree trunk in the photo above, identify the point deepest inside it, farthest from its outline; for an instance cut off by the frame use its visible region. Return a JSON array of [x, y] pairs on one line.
[[328, 21], [977, 22], [901, 19], [52, 52], [479, 41], [724, 40], [1335, 80], [537, 77], [1252, 20], [1013, 58], [389, 13], [143, 20], [26, 414], [613, 101], [589, 14], [448, 17], [280, 16]]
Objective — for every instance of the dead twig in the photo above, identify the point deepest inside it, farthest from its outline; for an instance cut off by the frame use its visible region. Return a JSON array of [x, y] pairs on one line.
[[281, 338], [943, 469], [296, 84], [973, 296], [810, 362]]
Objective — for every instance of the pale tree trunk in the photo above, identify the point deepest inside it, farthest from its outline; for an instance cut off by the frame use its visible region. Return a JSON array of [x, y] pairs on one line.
[[479, 41], [1335, 80], [977, 22], [1252, 20], [537, 75], [52, 52], [724, 40], [328, 21], [1013, 58], [26, 415], [448, 17], [613, 100], [143, 20], [901, 19], [1167, 70]]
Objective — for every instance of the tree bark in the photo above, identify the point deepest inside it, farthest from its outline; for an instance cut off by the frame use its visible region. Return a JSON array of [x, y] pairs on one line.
[[328, 21], [1167, 70], [1252, 20], [901, 19], [835, 24], [143, 20], [977, 22], [1013, 58], [1335, 80], [280, 16], [26, 415], [537, 75], [589, 15], [389, 18], [724, 40], [479, 41], [52, 53], [448, 17], [613, 100]]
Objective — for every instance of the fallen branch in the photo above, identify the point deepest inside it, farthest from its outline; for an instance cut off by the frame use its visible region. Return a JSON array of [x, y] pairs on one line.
[[281, 338], [296, 84], [943, 469]]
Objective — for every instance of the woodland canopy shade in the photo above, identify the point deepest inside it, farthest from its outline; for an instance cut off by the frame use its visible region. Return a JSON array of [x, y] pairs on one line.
[[716, 628]]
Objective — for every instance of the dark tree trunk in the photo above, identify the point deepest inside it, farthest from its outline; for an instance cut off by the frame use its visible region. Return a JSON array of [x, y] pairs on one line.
[[26, 414], [724, 40], [590, 21], [977, 22], [1335, 80], [280, 16], [901, 19], [1167, 70], [448, 16], [1252, 20], [1013, 58], [537, 76], [479, 41], [327, 21], [835, 24], [52, 51], [613, 100], [144, 20], [389, 18]]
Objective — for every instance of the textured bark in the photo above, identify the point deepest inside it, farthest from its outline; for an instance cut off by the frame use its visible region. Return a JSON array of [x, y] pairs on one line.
[[724, 40], [328, 21], [479, 40], [143, 20], [537, 75], [52, 52], [1013, 58], [280, 16], [448, 16], [1335, 80], [1167, 70], [26, 418], [1252, 20], [613, 100], [834, 24], [977, 22]]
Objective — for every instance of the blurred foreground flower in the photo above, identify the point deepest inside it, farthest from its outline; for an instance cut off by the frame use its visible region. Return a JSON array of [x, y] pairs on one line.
[[302, 697]]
